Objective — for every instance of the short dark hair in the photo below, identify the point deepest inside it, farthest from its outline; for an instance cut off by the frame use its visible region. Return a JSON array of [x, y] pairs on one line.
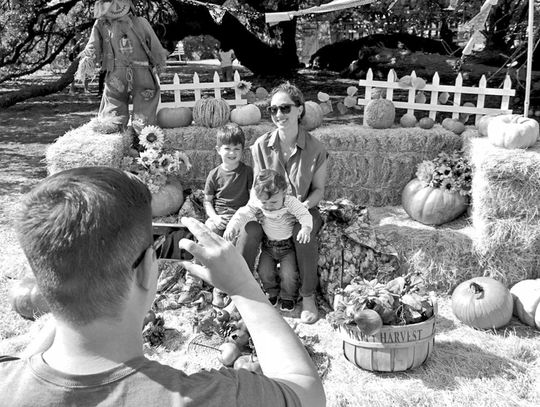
[[231, 133], [81, 230], [294, 93], [267, 183]]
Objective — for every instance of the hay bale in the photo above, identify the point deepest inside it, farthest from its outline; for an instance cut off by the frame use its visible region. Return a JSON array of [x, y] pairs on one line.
[[444, 255], [366, 165], [506, 209], [83, 147]]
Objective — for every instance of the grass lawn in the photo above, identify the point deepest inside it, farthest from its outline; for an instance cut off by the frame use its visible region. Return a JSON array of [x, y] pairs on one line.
[[467, 367]]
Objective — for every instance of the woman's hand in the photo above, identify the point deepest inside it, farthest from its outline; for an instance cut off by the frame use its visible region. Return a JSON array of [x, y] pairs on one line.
[[304, 235]]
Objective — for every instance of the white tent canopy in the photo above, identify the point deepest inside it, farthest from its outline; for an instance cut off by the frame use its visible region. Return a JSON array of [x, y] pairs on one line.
[[273, 18]]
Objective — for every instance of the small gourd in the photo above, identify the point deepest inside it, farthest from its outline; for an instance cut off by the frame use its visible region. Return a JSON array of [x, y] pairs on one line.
[[482, 303], [172, 117], [453, 125], [426, 123], [408, 120], [246, 115], [380, 113], [526, 296], [211, 112], [512, 131], [313, 117]]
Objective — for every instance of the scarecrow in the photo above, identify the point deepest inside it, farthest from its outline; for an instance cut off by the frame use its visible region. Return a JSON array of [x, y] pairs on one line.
[[127, 49]]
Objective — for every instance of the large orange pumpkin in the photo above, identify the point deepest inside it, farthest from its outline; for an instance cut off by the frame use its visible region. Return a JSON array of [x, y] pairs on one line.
[[168, 199], [171, 117], [526, 296], [431, 206], [246, 115], [482, 303]]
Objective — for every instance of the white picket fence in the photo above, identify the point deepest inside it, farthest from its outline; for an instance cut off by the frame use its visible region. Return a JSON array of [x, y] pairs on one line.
[[197, 87], [432, 92]]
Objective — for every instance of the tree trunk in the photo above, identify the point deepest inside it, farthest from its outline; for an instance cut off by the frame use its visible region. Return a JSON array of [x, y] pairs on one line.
[[254, 54], [11, 98]]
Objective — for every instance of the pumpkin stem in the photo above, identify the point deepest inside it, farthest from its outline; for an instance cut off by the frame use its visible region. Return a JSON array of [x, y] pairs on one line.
[[476, 288]]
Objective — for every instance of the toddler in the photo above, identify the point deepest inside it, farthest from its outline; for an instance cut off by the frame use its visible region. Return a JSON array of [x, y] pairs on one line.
[[277, 212]]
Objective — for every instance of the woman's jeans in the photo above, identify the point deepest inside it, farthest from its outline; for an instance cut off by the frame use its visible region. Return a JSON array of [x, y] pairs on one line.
[[307, 255], [272, 253]]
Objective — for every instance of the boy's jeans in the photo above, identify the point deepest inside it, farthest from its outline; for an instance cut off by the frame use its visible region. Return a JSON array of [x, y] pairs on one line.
[[282, 252]]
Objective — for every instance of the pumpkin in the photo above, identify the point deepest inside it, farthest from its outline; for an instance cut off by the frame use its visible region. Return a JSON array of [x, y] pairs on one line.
[[313, 117], [453, 125], [426, 123], [211, 112], [482, 303], [172, 117], [408, 120], [380, 113], [483, 123], [431, 206], [26, 299], [512, 131], [246, 115], [168, 199], [248, 362], [526, 296]]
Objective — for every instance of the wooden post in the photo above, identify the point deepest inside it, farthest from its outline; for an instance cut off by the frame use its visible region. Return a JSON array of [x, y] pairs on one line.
[[177, 97], [197, 90], [482, 85], [457, 95], [411, 95], [217, 90], [530, 43], [434, 99]]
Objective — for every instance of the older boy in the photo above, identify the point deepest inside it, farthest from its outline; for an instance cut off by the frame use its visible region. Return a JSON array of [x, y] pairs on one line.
[[87, 234]]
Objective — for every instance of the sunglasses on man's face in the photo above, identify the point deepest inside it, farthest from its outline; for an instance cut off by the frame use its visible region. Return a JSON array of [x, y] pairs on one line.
[[156, 246], [285, 109]]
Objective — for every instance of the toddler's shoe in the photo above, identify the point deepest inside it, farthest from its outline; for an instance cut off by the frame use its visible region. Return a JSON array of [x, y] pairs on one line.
[[273, 300], [287, 305]]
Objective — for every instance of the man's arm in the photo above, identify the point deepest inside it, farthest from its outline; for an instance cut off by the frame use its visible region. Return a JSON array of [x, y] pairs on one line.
[[280, 352]]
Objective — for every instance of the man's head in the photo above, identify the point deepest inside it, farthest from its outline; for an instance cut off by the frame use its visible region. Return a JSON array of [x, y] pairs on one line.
[[270, 188], [82, 230]]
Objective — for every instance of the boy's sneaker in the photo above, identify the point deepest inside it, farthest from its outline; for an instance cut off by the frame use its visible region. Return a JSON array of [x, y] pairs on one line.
[[273, 300], [287, 305]]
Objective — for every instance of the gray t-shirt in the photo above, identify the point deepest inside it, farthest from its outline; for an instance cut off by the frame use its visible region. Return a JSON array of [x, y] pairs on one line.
[[138, 382]]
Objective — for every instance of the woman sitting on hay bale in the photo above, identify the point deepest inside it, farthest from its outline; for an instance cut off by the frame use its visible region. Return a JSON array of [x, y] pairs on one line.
[[129, 51], [302, 160]]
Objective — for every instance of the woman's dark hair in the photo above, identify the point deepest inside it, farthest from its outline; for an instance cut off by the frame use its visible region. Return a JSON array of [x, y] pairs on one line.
[[294, 93]]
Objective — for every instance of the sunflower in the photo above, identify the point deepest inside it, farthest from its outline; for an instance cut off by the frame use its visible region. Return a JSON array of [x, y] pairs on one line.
[[243, 86], [151, 137]]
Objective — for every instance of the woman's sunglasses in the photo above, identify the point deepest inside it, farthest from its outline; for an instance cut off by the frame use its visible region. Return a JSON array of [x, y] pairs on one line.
[[285, 109]]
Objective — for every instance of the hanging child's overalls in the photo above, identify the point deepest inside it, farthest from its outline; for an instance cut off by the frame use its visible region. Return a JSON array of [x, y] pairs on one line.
[[129, 51]]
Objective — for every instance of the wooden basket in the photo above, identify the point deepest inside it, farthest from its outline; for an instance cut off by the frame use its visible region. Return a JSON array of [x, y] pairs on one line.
[[394, 348]]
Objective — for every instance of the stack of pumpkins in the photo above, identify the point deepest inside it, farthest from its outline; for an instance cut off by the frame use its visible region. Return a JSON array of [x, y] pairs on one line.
[[208, 112], [485, 303], [211, 112]]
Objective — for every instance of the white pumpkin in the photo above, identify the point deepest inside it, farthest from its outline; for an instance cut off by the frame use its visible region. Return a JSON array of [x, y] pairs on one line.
[[246, 115], [512, 131]]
